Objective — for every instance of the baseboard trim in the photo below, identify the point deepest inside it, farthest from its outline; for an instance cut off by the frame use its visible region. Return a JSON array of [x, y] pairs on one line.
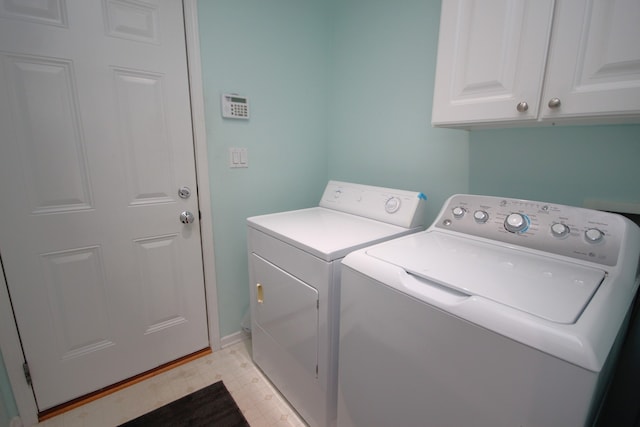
[[235, 338]]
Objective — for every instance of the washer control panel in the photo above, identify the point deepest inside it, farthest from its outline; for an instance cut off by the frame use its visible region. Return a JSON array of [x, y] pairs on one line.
[[398, 207], [564, 230]]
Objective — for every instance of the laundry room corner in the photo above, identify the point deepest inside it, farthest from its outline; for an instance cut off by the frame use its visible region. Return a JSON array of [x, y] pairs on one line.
[[327, 100], [275, 55]]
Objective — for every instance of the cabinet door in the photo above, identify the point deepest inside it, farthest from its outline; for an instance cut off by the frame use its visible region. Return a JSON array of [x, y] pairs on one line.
[[491, 57], [594, 59]]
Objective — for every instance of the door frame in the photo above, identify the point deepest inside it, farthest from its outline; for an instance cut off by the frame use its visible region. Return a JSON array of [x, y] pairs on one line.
[[10, 345]]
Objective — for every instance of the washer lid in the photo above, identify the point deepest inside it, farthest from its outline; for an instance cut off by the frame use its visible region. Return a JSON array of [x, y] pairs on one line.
[[325, 233], [545, 287]]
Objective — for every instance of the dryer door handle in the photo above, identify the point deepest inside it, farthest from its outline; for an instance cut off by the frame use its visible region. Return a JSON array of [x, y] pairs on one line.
[[259, 293]]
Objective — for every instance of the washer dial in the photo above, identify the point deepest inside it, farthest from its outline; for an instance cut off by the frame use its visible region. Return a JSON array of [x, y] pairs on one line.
[[560, 230], [593, 235], [481, 216], [516, 223]]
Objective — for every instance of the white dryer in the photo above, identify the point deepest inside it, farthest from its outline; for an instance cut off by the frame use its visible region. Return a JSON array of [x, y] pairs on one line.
[[502, 313], [294, 261]]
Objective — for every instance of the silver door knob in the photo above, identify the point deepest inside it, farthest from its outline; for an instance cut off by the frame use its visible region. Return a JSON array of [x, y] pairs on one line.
[[522, 107], [554, 103], [187, 217]]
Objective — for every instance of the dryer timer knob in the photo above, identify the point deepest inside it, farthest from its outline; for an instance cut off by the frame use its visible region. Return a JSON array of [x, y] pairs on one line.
[[392, 205]]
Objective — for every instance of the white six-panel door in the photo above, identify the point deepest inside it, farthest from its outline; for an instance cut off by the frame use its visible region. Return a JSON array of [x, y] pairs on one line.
[[96, 140]]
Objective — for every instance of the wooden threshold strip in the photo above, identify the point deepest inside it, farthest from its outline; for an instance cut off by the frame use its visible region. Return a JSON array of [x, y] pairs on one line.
[[87, 398]]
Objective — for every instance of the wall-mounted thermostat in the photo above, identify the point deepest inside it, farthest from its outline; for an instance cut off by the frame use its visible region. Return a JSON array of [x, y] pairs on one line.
[[235, 106]]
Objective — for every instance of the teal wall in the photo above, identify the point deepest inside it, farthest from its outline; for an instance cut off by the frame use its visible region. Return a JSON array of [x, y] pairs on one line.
[[558, 164], [381, 83], [274, 52], [8, 408]]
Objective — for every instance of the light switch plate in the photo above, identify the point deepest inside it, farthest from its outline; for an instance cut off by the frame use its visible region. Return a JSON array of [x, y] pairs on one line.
[[238, 157]]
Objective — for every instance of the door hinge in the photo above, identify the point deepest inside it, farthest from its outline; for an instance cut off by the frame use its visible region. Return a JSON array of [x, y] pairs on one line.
[[316, 371], [27, 373]]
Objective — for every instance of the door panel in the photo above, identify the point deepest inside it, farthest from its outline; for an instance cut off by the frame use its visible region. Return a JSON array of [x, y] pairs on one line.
[[96, 140], [160, 272], [42, 90], [132, 20], [75, 286], [50, 12], [144, 133]]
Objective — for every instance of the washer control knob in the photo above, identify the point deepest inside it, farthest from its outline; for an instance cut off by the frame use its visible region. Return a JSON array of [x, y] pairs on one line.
[[516, 223], [560, 230], [593, 235], [458, 212], [392, 205], [481, 216]]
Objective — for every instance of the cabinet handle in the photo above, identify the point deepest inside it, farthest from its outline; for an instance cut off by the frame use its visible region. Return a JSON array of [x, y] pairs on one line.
[[260, 293], [554, 103], [522, 107]]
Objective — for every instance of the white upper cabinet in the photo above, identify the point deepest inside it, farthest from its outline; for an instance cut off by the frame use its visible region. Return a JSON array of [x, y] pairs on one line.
[[491, 57], [518, 62], [594, 59]]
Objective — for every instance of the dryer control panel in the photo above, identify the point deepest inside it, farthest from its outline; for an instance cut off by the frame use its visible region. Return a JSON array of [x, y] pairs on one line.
[[585, 234], [398, 207]]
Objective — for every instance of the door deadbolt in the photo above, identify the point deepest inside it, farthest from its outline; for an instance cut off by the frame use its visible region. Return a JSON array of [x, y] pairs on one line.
[[184, 192]]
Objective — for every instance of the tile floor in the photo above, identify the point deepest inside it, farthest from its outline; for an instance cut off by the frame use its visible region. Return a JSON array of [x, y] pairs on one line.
[[260, 403]]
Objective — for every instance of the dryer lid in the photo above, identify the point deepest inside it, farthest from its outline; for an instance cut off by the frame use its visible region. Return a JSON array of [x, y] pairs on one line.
[[325, 233], [543, 286]]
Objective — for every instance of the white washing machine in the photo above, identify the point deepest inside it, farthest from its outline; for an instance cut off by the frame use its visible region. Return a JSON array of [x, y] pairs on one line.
[[502, 313], [294, 261]]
